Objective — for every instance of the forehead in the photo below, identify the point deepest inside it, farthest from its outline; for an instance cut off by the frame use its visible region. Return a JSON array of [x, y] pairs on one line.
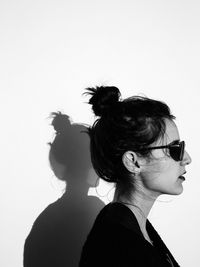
[[171, 132]]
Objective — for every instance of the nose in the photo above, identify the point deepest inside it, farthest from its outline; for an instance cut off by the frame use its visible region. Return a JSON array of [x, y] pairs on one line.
[[186, 159]]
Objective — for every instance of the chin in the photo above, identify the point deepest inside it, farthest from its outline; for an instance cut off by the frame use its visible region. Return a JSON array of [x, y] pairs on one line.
[[173, 191], [177, 191]]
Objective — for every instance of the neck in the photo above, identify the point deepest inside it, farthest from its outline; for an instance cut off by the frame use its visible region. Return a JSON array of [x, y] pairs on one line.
[[140, 205], [77, 190]]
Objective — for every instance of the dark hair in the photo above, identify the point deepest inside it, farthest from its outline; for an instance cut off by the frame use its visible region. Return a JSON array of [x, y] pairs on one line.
[[129, 124]]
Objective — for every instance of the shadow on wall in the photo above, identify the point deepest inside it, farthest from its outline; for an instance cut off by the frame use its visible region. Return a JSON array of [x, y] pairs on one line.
[[59, 232]]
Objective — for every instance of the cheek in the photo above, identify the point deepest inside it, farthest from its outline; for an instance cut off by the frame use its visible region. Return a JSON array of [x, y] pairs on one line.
[[158, 173], [92, 179], [156, 167]]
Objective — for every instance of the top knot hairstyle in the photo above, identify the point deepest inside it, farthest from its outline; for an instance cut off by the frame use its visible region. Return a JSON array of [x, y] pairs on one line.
[[103, 98], [130, 124]]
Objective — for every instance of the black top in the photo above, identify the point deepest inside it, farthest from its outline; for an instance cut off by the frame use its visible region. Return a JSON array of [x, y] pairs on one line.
[[116, 240]]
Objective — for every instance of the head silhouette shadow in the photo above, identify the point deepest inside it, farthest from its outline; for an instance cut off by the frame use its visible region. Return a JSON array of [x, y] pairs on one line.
[[59, 232]]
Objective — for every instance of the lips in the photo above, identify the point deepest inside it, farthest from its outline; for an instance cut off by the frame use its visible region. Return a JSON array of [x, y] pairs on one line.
[[182, 177]]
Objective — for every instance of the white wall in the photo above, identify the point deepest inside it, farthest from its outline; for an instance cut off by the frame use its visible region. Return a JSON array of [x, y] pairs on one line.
[[49, 52]]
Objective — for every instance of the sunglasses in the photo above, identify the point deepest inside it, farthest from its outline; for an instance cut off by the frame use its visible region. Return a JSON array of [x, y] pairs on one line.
[[176, 149]]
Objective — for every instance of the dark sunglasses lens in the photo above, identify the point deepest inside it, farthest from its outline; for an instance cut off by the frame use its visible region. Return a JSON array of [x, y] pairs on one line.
[[177, 151]]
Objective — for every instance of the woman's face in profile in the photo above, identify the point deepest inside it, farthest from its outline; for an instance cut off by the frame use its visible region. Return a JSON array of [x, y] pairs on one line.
[[161, 175]]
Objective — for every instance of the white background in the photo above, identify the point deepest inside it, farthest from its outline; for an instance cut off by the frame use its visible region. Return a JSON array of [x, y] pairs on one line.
[[49, 52]]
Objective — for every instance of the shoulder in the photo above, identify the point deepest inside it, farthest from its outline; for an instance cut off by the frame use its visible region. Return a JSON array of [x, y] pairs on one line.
[[44, 225], [117, 215], [116, 237]]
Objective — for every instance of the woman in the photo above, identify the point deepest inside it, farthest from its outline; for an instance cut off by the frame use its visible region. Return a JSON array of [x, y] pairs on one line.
[[136, 145]]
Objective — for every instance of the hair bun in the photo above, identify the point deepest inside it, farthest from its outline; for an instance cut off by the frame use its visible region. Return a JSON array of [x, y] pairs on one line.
[[60, 122], [103, 98]]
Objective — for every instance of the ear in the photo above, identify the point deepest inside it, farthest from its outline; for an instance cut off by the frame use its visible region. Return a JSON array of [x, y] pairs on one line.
[[129, 160]]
